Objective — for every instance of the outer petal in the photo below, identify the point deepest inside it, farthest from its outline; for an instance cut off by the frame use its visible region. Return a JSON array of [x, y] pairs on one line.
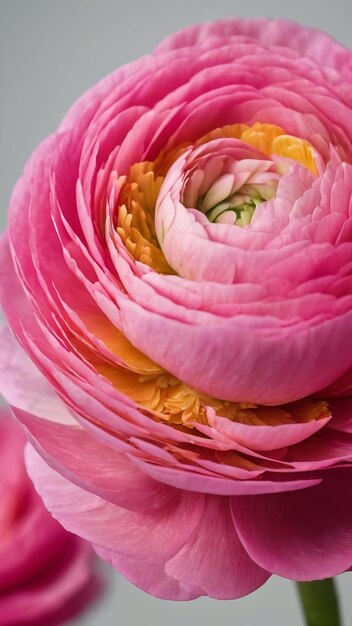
[[112, 527], [305, 535], [23, 386], [214, 558], [150, 578]]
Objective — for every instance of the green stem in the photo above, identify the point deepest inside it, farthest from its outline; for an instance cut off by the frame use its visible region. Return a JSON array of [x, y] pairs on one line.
[[320, 603]]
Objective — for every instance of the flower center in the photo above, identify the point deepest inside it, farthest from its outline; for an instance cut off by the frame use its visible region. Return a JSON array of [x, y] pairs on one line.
[[239, 210], [170, 400], [228, 190], [233, 197]]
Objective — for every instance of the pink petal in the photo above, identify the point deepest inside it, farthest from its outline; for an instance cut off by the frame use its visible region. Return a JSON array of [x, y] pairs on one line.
[[255, 341], [197, 481], [303, 535], [95, 467], [279, 32], [258, 437], [149, 577], [23, 385], [214, 558], [111, 527]]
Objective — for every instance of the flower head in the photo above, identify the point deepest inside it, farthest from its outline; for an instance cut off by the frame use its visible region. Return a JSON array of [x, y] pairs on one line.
[[177, 268]]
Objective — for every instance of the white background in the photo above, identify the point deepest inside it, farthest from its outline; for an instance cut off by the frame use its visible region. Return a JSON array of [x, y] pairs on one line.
[[51, 51]]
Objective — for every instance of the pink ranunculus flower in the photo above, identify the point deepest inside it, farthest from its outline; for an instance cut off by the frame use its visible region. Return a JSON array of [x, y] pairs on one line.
[[46, 573], [178, 269]]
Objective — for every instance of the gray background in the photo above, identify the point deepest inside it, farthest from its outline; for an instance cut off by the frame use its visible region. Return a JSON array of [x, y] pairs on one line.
[[52, 50]]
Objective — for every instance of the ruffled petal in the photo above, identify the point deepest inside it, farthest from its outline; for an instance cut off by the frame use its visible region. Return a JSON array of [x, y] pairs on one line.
[[278, 32], [95, 467]]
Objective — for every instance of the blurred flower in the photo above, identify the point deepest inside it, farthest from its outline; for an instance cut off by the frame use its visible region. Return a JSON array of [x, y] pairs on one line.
[[178, 267], [46, 573]]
